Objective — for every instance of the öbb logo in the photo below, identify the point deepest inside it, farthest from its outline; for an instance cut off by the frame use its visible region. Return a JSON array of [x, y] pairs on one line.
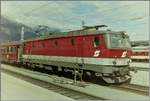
[[96, 53]]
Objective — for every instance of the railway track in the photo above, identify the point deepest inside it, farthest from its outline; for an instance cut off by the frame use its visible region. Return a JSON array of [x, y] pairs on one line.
[[137, 89], [77, 95], [141, 68], [142, 90]]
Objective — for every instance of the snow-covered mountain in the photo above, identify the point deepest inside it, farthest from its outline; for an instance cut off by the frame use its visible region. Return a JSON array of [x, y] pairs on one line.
[[10, 30]]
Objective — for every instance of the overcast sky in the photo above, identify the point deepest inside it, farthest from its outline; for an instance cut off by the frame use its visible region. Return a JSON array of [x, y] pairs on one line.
[[132, 16]]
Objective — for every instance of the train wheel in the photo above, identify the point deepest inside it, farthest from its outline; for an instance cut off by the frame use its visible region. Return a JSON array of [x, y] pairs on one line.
[[128, 81], [55, 69], [87, 75]]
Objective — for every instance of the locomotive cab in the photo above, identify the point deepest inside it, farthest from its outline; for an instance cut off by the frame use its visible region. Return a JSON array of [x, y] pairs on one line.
[[96, 52], [118, 54], [120, 43]]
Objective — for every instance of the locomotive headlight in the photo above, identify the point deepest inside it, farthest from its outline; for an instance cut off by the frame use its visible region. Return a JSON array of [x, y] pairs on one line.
[[114, 62], [128, 62]]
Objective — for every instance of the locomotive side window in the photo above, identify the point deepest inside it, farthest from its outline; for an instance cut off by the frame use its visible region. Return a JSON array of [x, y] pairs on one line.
[[43, 44], [72, 41], [56, 43], [33, 44], [96, 41]]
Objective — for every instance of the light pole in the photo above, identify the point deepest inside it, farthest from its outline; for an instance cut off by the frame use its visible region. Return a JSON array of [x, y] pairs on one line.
[[22, 33]]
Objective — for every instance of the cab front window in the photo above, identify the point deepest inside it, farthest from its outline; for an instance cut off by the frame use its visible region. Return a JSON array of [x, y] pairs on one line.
[[118, 40]]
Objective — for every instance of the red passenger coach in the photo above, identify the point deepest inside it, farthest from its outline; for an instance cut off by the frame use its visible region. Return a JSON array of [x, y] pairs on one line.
[[9, 52], [140, 54]]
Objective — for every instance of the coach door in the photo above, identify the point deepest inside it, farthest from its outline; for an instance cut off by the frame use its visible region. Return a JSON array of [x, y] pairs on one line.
[[19, 49]]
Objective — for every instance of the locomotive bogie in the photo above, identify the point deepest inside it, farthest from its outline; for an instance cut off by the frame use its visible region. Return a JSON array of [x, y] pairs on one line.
[[95, 64], [119, 72]]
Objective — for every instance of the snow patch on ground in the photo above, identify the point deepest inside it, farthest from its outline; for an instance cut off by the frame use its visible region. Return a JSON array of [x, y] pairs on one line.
[[16, 89], [140, 78], [138, 64], [91, 89]]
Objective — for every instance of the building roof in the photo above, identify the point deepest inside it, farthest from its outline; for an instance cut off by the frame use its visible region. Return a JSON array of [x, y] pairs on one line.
[[11, 43]]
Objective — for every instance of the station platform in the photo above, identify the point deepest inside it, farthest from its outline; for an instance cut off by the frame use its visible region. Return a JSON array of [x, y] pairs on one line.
[[90, 88], [140, 65], [16, 89], [140, 78]]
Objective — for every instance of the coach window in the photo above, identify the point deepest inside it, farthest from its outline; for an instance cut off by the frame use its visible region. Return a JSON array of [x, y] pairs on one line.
[[72, 41], [14, 49], [96, 41], [7, 49], [4, 50], [11, 49], [1, 50]]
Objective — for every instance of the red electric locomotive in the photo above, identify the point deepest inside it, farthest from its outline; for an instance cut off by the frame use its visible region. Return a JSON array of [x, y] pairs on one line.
[[103, 53]]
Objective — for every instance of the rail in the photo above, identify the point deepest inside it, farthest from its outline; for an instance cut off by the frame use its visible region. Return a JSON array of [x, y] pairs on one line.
[[142, 90], [77, 95], [88, 96], [140, 68]]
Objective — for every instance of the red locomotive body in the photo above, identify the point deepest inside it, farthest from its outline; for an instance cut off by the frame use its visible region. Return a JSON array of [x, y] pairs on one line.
[[9, 52], [78, 46], [103, 52], [100, 53]]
